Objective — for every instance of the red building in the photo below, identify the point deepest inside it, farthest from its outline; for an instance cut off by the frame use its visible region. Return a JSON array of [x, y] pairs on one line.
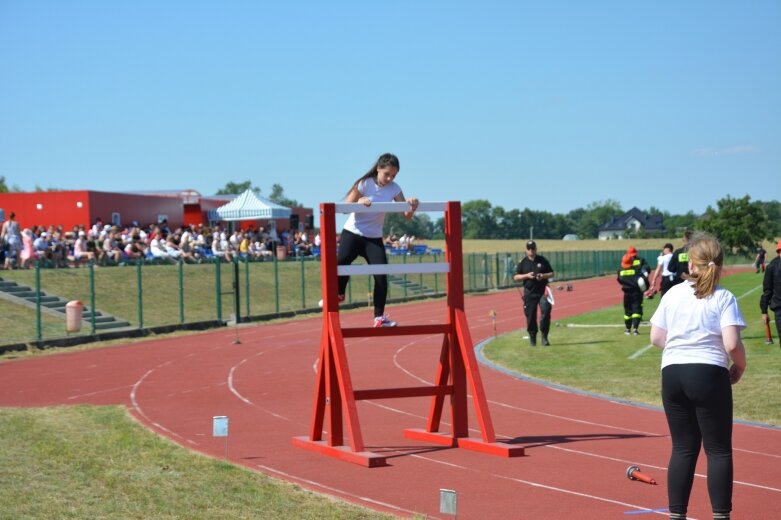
[[84, 207]]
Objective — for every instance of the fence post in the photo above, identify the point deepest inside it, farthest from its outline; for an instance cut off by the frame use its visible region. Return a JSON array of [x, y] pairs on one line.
[[420, 275], [404, 261], [38, 332], [436, 277], [496, 263], [236, 295], [140, 293], [486, 277], [92, 294], [246, 285], [218, 286], [303, 282], [180, 268], [276, 284]]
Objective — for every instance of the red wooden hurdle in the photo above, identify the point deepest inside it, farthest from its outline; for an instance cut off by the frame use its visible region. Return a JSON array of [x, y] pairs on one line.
[[334, 396]]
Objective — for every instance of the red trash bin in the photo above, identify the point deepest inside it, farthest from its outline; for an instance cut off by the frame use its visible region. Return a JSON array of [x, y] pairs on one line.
[[73, 311]]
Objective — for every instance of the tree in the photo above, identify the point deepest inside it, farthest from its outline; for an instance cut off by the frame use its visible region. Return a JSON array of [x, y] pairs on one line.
[[234, 188], [478, 219], [278, 196], [773, 211], [738, 223], [420, 225], [595, 216], [5, 189]]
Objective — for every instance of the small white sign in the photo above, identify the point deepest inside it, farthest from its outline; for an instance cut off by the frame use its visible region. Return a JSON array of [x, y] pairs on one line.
[[448, 502], [220, 426]]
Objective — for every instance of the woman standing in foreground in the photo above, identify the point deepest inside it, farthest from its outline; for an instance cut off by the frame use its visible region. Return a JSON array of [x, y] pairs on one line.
[[698, 325], [362, 232]]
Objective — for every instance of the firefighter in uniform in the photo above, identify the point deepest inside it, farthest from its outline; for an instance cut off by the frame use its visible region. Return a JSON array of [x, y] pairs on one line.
[[679, 263], [633, 277]]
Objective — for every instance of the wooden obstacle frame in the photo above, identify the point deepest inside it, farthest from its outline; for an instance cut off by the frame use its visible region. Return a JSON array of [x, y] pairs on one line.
[[335, 398]]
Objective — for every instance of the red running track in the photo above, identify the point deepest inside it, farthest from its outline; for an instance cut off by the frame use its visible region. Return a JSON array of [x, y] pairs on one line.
[[578, 447]]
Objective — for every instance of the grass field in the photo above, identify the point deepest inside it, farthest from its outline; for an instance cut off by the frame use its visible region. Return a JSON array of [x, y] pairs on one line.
[[96, 462], [605, 361]]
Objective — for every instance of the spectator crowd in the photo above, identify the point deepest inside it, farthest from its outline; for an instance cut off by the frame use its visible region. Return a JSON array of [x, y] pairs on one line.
[[106, 244]]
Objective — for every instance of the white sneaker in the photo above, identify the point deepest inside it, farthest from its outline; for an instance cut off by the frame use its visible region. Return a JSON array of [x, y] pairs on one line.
[[339, 297], [384, 321]]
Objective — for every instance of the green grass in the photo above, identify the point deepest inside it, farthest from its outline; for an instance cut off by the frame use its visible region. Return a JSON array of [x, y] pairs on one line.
[[96, 462], [597, 359]]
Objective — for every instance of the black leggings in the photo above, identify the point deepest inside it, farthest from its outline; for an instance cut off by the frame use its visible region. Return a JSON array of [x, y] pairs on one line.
[[351, 246], [697, 401]]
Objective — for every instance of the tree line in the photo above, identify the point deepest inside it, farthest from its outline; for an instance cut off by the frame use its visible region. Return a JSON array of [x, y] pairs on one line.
[[739, 223]]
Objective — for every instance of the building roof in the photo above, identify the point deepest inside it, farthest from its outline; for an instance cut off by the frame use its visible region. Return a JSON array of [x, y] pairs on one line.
[[648, 222]]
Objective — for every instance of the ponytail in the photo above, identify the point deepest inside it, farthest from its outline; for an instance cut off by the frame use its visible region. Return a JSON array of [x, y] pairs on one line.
[[706, 254], [386, 159]]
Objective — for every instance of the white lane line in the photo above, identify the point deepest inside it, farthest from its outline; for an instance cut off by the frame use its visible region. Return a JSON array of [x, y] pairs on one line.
[[577, 452], [586, 495], [97, 392], [246, 400], [544, 486], [641, 352], [749, 292], [342, 493], [140, 411]]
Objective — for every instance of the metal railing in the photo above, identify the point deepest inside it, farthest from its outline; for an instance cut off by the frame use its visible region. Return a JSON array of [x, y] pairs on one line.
[[149, 296]]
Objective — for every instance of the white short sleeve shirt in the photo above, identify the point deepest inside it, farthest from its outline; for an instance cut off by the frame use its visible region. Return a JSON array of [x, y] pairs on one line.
[[694, 325], [370, 224]]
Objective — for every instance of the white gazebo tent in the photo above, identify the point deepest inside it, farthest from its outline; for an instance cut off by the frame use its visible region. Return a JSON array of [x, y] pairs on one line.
[[249, 206]]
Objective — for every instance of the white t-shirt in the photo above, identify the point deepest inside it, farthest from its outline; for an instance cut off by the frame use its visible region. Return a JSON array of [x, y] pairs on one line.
[[370, 224], [694, 325], [664, 261]]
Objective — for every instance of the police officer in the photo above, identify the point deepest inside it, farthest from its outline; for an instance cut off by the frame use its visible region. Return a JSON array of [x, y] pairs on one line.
[[534, 271], [679, 263]]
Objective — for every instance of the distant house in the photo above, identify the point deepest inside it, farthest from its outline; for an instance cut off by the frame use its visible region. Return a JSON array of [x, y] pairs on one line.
[[633, 220]]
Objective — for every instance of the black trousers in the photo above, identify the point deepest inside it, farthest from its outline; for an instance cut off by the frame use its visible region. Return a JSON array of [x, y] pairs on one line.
[[697, 401], [351, 246], [633, 307], [778, 323], [530, 303]]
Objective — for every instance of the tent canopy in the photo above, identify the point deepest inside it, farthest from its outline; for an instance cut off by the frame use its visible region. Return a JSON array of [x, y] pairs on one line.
[[248, 206]]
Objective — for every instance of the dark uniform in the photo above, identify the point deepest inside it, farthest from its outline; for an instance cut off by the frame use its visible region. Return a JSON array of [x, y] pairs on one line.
[[760, 261], [631, 278], [679, 264], [771, 291], [534, 295]]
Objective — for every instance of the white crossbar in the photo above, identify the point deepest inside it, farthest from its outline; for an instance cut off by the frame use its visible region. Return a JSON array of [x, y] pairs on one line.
[[350, 270], [387, 207]]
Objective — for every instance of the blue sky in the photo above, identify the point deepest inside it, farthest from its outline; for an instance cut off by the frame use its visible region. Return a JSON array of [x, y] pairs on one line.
[[545, 105]]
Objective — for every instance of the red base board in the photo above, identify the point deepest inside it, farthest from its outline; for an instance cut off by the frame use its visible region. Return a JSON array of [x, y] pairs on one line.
[[362, 458], [501, 449]]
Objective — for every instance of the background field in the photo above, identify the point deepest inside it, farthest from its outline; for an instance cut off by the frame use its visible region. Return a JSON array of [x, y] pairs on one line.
[[605, 361]]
